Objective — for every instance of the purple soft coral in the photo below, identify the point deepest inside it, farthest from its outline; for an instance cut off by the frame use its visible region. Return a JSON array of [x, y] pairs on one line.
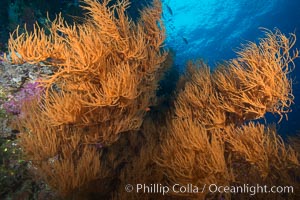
[[27, 93]]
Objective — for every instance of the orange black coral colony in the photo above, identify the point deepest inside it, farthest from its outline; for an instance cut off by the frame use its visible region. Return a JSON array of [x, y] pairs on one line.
[[106, 72]]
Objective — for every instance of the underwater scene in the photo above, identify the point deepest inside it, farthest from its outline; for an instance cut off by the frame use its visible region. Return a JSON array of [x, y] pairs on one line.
[[149, 99]]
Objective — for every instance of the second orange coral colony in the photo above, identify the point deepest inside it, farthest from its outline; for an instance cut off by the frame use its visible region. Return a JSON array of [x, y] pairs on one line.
[[107, 71]]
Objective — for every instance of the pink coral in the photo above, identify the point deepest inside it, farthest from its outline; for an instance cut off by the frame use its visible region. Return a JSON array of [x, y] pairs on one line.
[[29, 90]]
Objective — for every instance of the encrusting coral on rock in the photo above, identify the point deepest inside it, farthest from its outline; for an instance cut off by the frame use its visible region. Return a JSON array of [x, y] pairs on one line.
[[88, 133]]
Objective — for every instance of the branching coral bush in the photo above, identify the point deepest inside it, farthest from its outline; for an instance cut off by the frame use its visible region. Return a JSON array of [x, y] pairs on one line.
[[208, 140], [106, 72], [108, 66], [87, 134], [257, 81]]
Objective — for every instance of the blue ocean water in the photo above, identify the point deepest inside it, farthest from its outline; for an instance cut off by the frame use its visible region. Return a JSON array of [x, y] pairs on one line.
[[214, 29]]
